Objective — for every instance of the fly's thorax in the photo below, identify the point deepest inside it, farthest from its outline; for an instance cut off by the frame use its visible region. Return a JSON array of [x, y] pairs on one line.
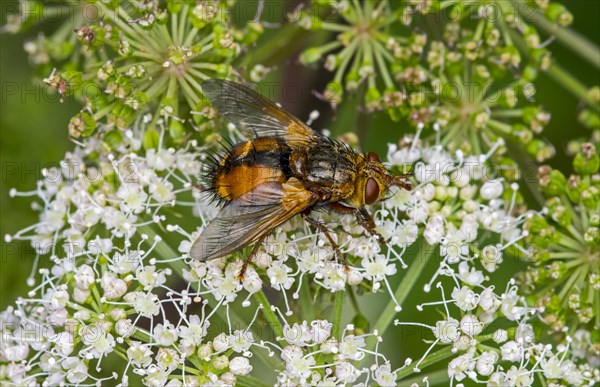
[[326, 167]]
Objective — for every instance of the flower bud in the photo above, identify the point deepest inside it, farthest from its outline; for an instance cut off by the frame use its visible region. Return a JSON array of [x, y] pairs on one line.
[[587, 161]]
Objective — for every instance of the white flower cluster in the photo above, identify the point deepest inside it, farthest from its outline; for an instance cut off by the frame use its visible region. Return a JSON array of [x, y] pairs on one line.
[[116, 290], [312, 355]]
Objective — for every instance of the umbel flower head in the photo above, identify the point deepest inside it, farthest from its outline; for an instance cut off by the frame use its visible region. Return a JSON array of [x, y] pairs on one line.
[[564, 282], [471, 85], [123, 59]]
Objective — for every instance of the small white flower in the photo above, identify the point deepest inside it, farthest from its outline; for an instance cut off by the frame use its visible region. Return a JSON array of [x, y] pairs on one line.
[[486, 363], [161, 160], [132, 198], [465, 298], [125, 263], [378, 268], [113, 286], [460, 367], [384, 376], [349, 347], [278, 273], [346, 372], [76, 370], [146, 304], [241, 340], [167, 358], [297, 334], [139, 354], [84, 277], [511, 351], [434, 229], [509, 306], [149, 278], [470, 325], [447, 331], [469, 275], [240, 366], [519, 377], [552, 368], [193, 333], [221, 342], [165, 335], [321, 330], [497, 379]]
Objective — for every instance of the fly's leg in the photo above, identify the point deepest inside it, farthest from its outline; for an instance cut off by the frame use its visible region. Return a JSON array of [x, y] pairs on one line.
[[366, 220], [259, 242], [323, 229], [362, 216]]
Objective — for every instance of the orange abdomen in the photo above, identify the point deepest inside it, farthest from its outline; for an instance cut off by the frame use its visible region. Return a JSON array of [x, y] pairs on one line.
[[250, 164]]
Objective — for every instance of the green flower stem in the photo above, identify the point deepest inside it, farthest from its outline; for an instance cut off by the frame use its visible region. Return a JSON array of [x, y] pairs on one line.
[[308, 311], [389, 83], [269, 314], [508, 113], [172, 93], [188, 91], [338, 306], [190, 37], [572, 84], [174, 28], [435, 378], [433, 358], [334, 27], [571, 39], [249, 381], [346, 54], [406, 284], [142, 335]]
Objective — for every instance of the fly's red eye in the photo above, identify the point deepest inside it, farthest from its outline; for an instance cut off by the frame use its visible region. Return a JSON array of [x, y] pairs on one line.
[[373, 157], [371, 191]]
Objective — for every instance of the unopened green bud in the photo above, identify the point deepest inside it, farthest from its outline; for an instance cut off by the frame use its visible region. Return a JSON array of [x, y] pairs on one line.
[[552, 181], [586, 162]]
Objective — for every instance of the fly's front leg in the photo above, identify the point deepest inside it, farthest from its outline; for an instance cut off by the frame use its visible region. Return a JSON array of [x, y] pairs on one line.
[[366, 220], [323, 229], [362, 216]]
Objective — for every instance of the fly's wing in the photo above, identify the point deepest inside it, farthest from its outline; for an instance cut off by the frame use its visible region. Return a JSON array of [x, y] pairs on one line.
[[255, 114], [251, 216]]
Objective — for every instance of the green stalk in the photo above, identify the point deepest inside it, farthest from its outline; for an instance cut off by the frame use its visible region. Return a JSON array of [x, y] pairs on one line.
[[269, 314], [308, 311], [338, 306], [406, 284], [572, 84], [568, 37], [435, 378], [408, 281], [433, 358]]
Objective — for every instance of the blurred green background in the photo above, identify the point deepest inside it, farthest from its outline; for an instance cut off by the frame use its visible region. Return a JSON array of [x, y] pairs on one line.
[[33, 133]]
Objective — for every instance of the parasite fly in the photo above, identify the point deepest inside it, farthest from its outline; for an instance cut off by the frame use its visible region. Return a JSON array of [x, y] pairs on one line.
[[284, 169]]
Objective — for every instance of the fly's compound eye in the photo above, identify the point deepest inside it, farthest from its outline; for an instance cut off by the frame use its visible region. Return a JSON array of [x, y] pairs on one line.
[[373, 157], [371, 191]]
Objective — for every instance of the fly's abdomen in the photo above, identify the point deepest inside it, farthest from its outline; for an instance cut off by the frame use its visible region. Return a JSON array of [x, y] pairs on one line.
[[248, 165]]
